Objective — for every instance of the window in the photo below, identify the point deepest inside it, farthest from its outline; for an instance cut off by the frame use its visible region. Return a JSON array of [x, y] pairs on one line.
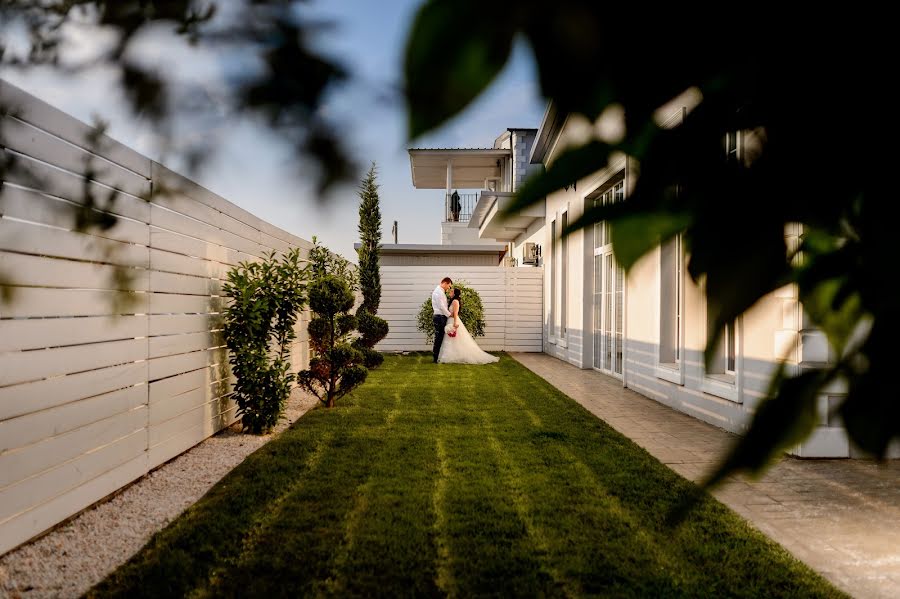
[[724, 363], [732, 146], [563, 278], [670, 301], [608, 290], [551, 325], [730, 344]]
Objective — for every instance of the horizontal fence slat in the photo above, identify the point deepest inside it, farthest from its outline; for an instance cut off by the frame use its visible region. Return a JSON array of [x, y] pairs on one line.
[[54, 121], [37, 207], [23, 366], [44, 515], [38, 176], [168, 345], [167, 366], [17, 400], [163, 411], [18, 432], [166, 282], [54, 332], [34, 142], [180, 264], [175, 324], [206, 413], [43, 302], [39, 240], [55, 481], [38, 457], [185, 439], [40, 271]]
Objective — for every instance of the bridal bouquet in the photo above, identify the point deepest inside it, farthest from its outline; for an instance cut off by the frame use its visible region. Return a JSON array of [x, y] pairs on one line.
[[450, 330]]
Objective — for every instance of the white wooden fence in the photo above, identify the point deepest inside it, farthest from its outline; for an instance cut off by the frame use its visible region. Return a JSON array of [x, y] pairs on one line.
[[512, 299], [111, 354]]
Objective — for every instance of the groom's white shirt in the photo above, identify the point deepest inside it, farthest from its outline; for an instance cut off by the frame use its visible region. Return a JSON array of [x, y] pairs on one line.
[[439, 302]]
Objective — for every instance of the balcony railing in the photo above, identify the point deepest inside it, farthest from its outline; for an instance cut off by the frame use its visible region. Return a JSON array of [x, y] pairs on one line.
[[459, 210]]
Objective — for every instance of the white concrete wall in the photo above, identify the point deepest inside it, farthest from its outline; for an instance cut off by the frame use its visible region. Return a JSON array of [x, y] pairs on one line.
[[461, 234], [511, 299], [112, 359]]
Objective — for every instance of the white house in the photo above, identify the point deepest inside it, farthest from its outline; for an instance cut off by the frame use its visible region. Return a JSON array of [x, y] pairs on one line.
[[648, 328]]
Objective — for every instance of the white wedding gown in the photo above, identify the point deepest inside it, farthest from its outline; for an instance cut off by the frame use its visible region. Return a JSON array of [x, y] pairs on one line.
[[462, 349]]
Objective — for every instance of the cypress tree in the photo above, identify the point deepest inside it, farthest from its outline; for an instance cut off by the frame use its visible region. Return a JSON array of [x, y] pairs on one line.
[[372, 328], [370, 242]]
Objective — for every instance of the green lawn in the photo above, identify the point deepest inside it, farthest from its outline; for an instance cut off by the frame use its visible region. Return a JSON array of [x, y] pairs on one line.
[[461, 481]]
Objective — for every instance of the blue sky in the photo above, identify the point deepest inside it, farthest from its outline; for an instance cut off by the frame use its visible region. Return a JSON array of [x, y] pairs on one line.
[[254, 171]]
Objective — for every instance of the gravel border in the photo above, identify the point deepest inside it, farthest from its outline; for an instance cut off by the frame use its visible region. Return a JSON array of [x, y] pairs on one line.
[[78, 554]]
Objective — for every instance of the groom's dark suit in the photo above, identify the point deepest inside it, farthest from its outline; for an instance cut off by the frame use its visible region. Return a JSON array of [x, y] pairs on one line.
[[440, 321], [439, 303]]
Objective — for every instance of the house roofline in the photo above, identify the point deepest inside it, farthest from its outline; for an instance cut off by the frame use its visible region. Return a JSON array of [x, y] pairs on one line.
[[551, 127]]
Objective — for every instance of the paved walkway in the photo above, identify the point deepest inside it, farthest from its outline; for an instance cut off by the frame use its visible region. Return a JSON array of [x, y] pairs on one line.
[[842, 517]]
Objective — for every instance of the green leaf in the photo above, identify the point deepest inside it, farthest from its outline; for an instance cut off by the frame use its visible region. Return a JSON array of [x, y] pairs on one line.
[[741, 264], [779, 423], [573, 165], [454, 50], [633, 235]]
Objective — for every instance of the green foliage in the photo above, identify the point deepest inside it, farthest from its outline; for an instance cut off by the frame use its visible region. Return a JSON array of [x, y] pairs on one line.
[[731, 209], [471, 312], [372, 328], [463, 496], [370, 242], [336, 366], [264, 301], [322, 262], [283, 88]]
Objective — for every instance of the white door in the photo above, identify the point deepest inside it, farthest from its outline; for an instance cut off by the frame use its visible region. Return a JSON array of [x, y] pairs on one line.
[[608, 296]]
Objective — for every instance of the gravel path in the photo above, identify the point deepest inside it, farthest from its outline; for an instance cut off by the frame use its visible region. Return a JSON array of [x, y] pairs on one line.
[[74, 557]]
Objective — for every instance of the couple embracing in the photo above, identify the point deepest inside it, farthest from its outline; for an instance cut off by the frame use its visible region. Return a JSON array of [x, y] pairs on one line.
[[452, 342]]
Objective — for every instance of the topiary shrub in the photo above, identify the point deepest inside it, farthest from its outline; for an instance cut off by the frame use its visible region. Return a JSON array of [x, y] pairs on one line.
[[372, 329], [336, 367], [471, 312], [264, 301]]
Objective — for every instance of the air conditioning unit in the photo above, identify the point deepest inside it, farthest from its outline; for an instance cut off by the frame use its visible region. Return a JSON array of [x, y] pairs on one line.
[[531, 253]]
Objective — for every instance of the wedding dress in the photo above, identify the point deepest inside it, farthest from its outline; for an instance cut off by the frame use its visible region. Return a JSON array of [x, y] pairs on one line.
[[462, 348]]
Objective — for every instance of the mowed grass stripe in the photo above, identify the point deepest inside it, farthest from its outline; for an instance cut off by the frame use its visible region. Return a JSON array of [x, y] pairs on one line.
[[458, 481]]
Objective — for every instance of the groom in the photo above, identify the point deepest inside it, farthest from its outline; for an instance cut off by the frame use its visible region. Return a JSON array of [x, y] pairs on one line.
[[441, 313]]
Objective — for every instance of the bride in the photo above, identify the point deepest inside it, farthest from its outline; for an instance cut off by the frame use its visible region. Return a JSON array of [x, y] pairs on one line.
[[461, 348]]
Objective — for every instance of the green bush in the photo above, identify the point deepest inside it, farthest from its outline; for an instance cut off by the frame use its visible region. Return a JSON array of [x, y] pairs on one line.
[[336, 366], [264, 300], [372, 329], [471, 312]]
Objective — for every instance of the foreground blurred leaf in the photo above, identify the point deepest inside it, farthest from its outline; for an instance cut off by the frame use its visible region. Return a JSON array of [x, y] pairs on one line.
[[781, 421], [454, 50], [571, 166]]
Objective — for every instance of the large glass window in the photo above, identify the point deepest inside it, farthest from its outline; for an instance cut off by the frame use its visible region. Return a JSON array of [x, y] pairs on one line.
[[609, 291], [670, 301]]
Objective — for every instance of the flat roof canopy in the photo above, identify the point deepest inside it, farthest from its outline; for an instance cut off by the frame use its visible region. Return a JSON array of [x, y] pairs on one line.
[[469, 168]]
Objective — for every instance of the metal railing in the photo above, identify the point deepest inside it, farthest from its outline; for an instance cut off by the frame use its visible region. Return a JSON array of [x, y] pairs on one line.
[[458, 207]]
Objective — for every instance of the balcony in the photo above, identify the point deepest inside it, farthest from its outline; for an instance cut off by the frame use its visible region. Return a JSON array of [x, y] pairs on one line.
[[488, 218], [461, 210]]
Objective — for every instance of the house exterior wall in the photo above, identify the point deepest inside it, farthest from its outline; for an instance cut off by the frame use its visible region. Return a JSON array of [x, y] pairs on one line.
[[772, 331], [461, 234]]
